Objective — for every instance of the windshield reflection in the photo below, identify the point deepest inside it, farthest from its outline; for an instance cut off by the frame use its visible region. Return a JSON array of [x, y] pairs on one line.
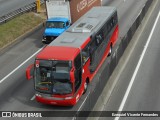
[[53, 77], [55, 24]]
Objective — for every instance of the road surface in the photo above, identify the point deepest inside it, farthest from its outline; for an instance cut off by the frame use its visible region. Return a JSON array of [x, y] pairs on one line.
[[16, 93]]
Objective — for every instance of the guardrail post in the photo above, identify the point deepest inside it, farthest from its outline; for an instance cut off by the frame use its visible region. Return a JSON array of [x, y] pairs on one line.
[[38, 3]]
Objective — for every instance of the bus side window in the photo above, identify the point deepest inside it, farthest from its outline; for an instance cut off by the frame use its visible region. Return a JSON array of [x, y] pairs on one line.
[[77, 62], [78, 71], [105, 31], [85, 54], [93, 46], [109, 26], [100, 37], [92, 49], [115, 19]]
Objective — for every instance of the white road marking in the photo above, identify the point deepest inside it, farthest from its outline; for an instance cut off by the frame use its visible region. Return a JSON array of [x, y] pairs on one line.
[[83, 102], [74, 118], [33, 97], [19, 66], [137, 68]]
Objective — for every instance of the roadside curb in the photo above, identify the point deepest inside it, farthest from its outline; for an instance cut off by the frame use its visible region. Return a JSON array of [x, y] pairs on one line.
[[23, 36]]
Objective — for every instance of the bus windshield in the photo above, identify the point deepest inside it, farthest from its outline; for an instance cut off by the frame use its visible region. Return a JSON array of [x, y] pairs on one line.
[[55, 24], [53, 77]]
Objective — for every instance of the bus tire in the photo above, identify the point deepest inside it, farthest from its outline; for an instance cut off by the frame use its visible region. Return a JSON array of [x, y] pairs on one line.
[[110, 50], [85, 86]]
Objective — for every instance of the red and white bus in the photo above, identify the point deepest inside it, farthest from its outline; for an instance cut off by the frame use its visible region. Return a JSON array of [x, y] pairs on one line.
[[64, 68]]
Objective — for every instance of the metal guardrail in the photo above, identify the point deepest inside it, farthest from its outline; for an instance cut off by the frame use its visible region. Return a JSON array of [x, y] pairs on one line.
[[11, 15]]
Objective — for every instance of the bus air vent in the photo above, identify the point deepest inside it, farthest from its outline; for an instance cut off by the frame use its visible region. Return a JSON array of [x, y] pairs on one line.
[[86, 25], [68, 40], [80, 25], [89, 27]]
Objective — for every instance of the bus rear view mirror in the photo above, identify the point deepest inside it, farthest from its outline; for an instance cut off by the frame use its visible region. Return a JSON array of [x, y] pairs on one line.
[[29, 72]]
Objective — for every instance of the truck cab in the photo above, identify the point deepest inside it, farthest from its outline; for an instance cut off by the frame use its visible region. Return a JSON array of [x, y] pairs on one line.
[[55, 27]]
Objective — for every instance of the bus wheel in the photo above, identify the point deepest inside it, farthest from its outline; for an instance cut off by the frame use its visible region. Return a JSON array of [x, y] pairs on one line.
[[85, 86], [110, 51]]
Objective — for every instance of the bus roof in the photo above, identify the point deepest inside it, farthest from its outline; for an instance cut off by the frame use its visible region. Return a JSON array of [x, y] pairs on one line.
[[85, 27]]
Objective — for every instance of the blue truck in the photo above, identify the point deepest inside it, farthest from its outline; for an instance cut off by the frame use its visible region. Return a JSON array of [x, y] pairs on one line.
[[54, 27], [58, 19]]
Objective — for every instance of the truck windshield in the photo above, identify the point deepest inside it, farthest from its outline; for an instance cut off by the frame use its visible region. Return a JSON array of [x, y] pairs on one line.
[[53, 77], [55, 24]]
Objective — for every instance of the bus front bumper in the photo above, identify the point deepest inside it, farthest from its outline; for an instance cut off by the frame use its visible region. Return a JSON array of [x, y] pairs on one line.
[[68, 101]]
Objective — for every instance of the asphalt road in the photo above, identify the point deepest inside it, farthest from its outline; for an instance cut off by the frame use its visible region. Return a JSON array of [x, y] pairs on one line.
[[138, 85], [7, 6], [16, 92], [145, 91]]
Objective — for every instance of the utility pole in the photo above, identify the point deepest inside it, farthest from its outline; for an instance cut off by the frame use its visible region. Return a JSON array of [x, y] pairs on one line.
[[38, 2]]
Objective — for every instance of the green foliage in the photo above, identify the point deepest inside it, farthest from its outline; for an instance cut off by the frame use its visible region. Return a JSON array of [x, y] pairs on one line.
[[18, 26]]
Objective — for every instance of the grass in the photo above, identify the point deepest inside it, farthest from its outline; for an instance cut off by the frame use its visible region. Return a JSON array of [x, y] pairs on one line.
[[18, 26]]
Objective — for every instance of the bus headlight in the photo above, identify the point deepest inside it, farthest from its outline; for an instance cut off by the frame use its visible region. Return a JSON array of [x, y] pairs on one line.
[[67, 98], [38, 95]]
